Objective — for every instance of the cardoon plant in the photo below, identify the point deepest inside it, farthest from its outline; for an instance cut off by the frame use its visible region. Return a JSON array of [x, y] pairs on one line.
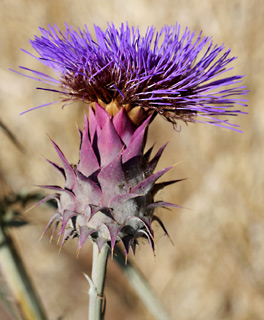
[[127, 79]]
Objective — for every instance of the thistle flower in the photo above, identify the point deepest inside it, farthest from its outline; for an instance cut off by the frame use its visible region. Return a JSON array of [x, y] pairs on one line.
[[109, 194], [160, 72]]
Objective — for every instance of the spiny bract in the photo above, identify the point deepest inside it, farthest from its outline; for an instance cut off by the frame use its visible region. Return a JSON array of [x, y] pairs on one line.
[[109, 194]]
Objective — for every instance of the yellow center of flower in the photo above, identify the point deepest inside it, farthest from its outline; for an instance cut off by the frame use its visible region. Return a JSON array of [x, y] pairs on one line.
[[136, 114]]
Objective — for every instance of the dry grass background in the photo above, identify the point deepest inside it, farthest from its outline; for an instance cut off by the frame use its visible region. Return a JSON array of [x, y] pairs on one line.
[[215, 269]]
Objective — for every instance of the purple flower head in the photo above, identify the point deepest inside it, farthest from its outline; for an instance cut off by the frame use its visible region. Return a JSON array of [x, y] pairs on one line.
[[162, 72]]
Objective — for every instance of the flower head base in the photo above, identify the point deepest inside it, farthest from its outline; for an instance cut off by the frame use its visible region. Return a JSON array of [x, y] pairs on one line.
[[160, 72], [109, 195]]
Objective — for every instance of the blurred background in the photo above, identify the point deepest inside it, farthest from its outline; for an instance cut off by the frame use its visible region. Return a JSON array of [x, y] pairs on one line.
[[215, 269]]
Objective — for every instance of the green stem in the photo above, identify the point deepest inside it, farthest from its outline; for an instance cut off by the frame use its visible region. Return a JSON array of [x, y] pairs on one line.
[[18, 279], [96, 291], [141, 286]]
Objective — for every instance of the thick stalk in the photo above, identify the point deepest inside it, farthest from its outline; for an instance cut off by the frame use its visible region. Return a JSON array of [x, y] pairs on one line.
[[96, 291], [18, 279]]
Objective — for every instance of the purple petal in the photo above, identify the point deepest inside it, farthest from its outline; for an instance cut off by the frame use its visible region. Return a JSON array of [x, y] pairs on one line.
[[159, 186], [140, 220], [84, 233], [100, 243], [122, 206], [69, 173], [155, 218], [93, 125], [47, 198], [148, 236], [127, 242], [66, 217], [56, 217], [162, 204], [101, 115], [153, 163], [86, 190], [112, 180], [109, 144], [114, 230], [123, 126], [146, 185], [136, 144], [88, 163], [67, 233], [58, 168]]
